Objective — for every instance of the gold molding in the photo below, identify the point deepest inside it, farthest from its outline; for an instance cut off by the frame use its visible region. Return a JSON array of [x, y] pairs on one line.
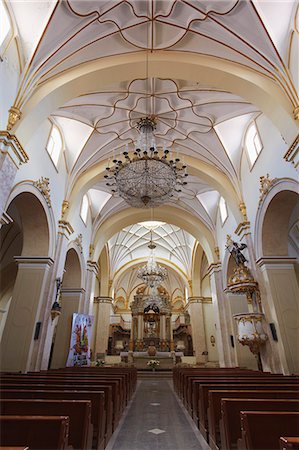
[[243, 226], [293, 150], [65, 226], [266, 184], [10, 140]]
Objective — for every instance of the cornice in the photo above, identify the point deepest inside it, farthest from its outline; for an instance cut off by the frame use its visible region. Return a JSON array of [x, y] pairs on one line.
[[19, 156]]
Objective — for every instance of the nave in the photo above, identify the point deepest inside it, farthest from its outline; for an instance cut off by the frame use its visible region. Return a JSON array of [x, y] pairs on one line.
[[110, 408], [156, 419]]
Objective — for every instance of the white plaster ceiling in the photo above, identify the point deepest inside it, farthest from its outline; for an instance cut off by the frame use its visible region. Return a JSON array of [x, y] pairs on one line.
[[174, 247], [193, 119]]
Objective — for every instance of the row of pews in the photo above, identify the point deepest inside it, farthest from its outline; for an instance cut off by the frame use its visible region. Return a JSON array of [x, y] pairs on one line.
[[71, 408], [241, 409]]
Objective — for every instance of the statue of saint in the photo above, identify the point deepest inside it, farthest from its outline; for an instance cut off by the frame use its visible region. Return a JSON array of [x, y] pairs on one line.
[[235, 250]]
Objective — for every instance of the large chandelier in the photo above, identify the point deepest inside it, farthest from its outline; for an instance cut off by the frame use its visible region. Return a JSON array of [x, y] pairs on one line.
[[147, 178], [152, 273]]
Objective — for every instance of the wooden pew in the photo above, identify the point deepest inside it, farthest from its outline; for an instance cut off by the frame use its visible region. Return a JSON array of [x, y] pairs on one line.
[[193, 410], [203, 399], [230, 428], [70, 383], [14, 448], [111, 402], [97, 407], [39, 432], [214, 409], [78, 411], [288, 443], [261, 430]]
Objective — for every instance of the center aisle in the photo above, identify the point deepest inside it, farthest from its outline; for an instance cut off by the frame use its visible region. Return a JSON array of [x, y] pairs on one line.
[[155, 420]]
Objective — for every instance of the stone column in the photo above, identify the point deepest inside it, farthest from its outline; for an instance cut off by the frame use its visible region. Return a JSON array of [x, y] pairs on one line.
[[92, 271], [104, 305], [162, 327], [222, 317], [282, 309], [195, 309], [140, 331], [28, 296], [70, 304], [133, 332], [12, 155], [64, 232]]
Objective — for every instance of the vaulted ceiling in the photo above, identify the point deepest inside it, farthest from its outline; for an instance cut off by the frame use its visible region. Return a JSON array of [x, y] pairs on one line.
[[194, 119]]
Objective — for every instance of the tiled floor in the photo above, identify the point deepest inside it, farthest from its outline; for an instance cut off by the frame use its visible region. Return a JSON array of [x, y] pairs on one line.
[[155, 420]]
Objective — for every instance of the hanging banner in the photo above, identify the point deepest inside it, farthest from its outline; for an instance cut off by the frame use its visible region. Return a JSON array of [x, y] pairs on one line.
[[79, 354]]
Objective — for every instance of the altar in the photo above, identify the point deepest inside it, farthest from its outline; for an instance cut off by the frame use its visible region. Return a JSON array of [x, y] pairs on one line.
[[167, 360]]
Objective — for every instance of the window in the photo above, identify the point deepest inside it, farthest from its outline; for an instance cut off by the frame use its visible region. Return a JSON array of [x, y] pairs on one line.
[[84, 209], [253, 143], [223, 210], [54, 145], [5, 26]]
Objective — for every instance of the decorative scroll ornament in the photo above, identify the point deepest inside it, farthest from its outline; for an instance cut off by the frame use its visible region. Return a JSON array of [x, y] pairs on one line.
[[242, 208], [250, 330], [14, 114], [78, 242], [266, 183], [91, 250], [43, 186]]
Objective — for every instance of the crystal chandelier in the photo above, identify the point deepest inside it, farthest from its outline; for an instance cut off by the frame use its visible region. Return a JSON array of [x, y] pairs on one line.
[[152, 273], [146, 179]]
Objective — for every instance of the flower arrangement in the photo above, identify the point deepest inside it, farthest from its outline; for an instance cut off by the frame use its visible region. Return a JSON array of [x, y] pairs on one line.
[[100, 363], [153, 363]]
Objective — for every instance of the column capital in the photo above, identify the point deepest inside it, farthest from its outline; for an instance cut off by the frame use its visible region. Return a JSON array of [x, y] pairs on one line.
[[92, 266], [72, 291], [65, 228], [276, 262], [195, 300], [34, 261], [243, 229], [214, 267], [10, 144], [108, 300]]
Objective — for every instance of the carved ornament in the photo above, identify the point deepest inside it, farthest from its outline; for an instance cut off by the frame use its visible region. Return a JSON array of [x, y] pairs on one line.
[[64, 207], [266, 184], [78, 242], [43, 186], [14, 114], [91, 250], [242, 208]]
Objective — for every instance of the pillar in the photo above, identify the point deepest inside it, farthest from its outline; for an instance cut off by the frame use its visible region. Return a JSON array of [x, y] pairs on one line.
[[195, 309], [140, 333], [282, 309], [12, 155], [222, 317], [28, 296], [64, 232], [92, 271], [71, 299], [103, 311]]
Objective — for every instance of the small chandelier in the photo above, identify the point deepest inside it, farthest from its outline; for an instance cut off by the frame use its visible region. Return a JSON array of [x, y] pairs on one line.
[[146, 179], [152, 273]]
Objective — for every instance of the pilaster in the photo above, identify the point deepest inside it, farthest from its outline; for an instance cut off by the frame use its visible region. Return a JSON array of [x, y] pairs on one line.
[[222, 317], [104, 306], [92, 271], [19, 351], [282, 309], [195, 309], [12, 155]]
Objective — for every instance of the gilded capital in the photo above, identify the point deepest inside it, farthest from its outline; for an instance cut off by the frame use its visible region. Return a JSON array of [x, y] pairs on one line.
[[242, 208], [64, 207], [14, 114], [43, 186]]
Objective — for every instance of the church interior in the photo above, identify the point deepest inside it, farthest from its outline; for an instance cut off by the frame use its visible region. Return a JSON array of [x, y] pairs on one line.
[[149, 224]]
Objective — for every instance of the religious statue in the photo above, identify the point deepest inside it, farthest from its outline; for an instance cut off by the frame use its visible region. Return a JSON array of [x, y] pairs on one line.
[[235, 250]]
